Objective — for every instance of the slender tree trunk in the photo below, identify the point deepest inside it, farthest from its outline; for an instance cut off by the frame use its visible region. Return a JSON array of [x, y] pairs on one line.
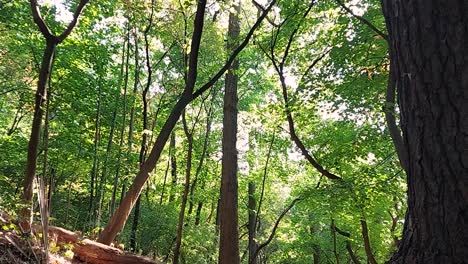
[[50, 190], [165, 178], [173, 167], [427, 51], [18, 116], [198, 213], [229, 230], [41, 98], [42, 200], [252, 223], [333, 233], [188, 168], [103, 179], [316, 257], [94, 170], [144, 143], [202, 159], [367, 244], [122, 129]]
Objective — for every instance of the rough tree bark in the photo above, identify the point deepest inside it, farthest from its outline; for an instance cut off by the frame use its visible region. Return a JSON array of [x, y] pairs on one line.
[[428, 61], [229, 230], [40, 98]]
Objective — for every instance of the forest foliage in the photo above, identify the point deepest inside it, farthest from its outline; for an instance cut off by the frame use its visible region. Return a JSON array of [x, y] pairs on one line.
[[332, 65]]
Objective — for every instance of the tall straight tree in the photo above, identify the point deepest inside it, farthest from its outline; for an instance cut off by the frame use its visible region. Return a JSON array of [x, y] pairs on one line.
[[229, 230], [189, 94], [428, 63], [52, 41]]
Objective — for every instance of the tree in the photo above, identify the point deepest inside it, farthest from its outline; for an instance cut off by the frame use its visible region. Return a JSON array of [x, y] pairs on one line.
[[426, 46], [229, 230], [119, 218], [41, 97]]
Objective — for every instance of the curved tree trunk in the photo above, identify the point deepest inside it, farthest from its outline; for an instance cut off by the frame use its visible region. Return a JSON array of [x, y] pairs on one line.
[[428, 51]]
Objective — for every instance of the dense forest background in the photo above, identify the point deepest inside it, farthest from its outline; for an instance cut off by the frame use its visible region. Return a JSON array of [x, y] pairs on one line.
[[319, 180]]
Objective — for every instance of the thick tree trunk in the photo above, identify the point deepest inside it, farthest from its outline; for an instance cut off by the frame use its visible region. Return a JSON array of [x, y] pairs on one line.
[[428, 51], [95, 253], [229, 230]]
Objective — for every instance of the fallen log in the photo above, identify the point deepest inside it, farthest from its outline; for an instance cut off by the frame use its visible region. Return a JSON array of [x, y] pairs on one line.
[[93, 252]]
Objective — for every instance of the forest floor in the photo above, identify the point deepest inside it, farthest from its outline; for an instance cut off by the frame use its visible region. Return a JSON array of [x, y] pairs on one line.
[[66, 247]]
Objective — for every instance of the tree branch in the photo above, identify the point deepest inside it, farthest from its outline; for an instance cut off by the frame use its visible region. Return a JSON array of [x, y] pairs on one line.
[[275, 227], [236, 52], [363, 20], [39, 20], [73, 23]]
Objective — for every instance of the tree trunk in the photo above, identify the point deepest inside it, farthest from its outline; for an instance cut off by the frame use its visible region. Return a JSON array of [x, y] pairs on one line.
[[202, 159], [188, 168], [252, 223], [427, 51], [367, 244], [333, 233], [94, 170], [173, 167], [41, 98], [198, 213], [144, 143], [119, 218], [103, 179], [165, 178], [229, 230], [122, 129]]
